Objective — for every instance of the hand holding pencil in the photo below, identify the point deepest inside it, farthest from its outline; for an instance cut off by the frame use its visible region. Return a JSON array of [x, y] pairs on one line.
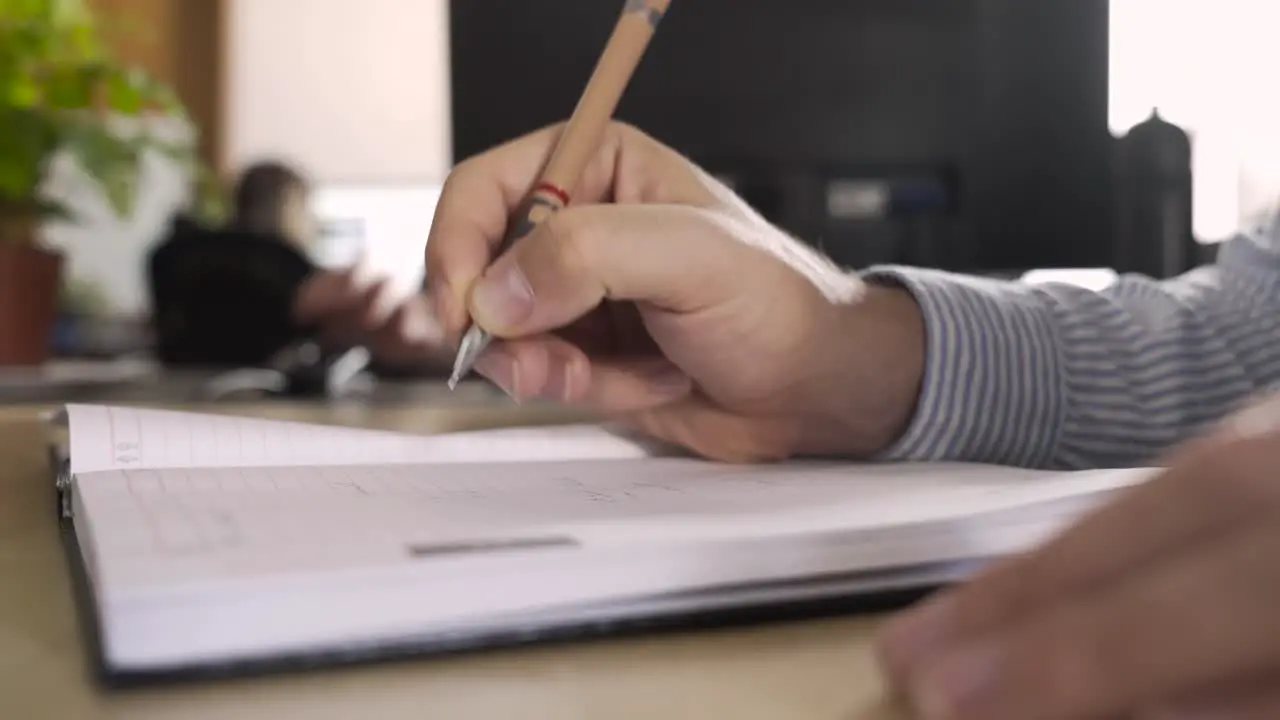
[[660, 299], [577, 143]]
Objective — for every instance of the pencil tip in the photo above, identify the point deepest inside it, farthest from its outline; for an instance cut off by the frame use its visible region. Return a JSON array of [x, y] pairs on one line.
[[459, 369]]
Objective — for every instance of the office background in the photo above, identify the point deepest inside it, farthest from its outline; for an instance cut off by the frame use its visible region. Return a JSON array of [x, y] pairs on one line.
[[364, 97]]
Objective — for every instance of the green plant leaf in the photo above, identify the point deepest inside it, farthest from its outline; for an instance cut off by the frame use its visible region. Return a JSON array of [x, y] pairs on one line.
[[113, 161], [62, 91], [26, 141], [126, 91], [72, 87], [23, 92]]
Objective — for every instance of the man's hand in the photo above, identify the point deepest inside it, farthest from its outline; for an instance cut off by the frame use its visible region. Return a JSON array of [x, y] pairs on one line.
[[1164, 605], [660, 298]]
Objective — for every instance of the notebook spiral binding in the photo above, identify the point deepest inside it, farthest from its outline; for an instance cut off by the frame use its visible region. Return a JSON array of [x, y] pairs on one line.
[[60, 462]]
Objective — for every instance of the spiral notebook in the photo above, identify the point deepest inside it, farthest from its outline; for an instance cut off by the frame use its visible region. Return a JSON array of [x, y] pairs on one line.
[[216, 544]]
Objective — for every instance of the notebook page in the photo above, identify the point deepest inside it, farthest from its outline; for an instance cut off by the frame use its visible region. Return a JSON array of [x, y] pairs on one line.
[[108, 437], [166, 526]]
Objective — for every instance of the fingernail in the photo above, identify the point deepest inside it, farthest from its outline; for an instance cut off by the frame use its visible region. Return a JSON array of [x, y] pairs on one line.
[[503, 297], [557, 387], [500, 369], [915, 635], [956, 683]]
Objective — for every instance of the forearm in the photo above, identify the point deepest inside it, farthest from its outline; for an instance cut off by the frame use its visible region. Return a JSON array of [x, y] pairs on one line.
[[1060, 376]]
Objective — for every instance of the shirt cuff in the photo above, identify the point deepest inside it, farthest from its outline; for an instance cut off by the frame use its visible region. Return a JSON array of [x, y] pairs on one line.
[[993, 389]]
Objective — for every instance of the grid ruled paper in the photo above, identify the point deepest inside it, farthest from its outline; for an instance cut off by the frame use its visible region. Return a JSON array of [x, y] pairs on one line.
[[174, 525], [126, 438]]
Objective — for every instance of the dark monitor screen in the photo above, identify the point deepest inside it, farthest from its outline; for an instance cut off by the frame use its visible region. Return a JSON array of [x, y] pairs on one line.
[[966, 134]]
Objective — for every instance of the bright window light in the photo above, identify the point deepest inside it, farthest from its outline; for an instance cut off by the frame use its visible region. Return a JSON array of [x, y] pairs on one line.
[[1095, 279], [384, 226], [1208, 67]]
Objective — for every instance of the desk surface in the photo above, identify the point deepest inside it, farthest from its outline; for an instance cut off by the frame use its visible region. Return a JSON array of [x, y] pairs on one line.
[[817, 670]]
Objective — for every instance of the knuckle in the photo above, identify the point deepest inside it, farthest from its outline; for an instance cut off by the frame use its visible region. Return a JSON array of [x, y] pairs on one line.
[[624, 131], [451, 180], [460, 174], [639, 145]]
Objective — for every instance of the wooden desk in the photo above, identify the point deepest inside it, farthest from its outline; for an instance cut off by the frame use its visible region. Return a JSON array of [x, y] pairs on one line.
[[816, 671]]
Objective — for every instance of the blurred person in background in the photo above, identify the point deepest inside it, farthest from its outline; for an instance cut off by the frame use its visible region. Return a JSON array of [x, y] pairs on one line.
[[236, 295], [272, 200]]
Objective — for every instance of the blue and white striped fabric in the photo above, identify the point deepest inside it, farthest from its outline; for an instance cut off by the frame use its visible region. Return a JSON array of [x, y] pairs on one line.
[[1057, 376]]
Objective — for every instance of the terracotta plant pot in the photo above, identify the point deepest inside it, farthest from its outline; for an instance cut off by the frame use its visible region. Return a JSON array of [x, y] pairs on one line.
[[30, 278]]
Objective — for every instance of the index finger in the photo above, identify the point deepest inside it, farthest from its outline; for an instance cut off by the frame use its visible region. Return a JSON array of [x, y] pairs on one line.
[[471, 216], [475, 206]]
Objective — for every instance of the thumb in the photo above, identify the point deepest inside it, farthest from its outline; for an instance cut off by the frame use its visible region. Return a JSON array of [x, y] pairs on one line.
[[668, 256]]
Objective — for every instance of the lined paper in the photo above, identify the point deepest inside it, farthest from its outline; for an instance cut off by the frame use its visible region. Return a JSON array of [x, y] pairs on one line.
[[125, 438]]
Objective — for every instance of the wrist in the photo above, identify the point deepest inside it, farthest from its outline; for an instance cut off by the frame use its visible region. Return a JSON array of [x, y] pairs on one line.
[[994, 387], [867, 361]]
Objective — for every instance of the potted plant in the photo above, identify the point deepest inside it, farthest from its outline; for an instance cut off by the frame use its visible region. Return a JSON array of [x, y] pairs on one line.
[[62, 92]]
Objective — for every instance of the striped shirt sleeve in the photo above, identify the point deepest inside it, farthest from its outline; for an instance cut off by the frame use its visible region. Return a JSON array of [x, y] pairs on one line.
[[1058, 376]]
